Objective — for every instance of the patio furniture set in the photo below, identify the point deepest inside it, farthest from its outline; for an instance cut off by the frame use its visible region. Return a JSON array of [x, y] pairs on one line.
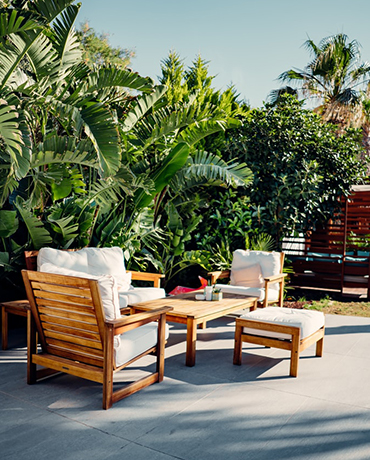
[[90, 322]]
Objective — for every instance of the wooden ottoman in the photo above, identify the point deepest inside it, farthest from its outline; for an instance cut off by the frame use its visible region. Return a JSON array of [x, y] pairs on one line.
[[279, 327]]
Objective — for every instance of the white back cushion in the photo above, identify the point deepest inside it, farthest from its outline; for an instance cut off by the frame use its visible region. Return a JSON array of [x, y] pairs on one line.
[[107, 286], [76, 260], [108, 261], [269, 262], [250, 276], [94, 261]]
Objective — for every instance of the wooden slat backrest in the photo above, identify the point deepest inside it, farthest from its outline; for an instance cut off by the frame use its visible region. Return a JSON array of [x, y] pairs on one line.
[[68, 314]]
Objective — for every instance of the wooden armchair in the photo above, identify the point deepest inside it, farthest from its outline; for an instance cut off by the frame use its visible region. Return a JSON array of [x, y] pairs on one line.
[[69, 315], [254, 273]]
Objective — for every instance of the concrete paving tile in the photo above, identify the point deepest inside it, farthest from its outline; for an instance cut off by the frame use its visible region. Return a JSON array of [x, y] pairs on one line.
[[14, 412], [138, 452], [213, 410], [56, 436], [223, 424], [348, 336], [140, 413], [322, 430], [336, 379]]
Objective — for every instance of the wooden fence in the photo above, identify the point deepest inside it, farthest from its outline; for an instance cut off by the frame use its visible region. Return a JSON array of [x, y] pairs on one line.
[[335, 255]]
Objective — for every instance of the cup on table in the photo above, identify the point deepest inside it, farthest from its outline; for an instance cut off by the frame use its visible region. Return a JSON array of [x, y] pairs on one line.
[[208, 292]]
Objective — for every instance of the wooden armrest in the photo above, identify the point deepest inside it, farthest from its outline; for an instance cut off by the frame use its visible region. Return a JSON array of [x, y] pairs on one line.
[[126, 323], [218, 275], [144, 276], [278, 277]]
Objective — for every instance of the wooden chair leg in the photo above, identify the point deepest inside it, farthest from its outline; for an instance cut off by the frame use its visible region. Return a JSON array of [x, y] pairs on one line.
[[31, 349], [4, 329], [281, 294], [294, 359], [238, 345], [160, 347], [108, 368]]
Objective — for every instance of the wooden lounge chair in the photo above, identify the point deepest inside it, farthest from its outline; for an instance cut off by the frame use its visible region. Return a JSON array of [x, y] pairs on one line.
[[254, 273], [69, 315]]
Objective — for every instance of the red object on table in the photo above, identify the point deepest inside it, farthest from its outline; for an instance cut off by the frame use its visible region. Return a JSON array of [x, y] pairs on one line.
[[183, 289]]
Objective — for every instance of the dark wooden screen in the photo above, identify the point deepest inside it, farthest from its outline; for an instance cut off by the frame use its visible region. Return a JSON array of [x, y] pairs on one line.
[[335, 255]]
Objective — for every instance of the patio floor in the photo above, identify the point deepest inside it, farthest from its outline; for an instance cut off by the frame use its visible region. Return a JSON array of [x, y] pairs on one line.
[[214, 410]]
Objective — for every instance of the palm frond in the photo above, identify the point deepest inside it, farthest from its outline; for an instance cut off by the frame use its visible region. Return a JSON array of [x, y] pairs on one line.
[[66, 40], [143, 104], [50, 9], [212, 168], [64, 226], [15, 21], [13, 133], [12, 53], [107, 77], [99, 126], [42, 56], [39, 235], [197, 131]]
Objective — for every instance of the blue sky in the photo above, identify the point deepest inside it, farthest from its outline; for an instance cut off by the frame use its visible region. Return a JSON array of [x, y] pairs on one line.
[[249, 43]]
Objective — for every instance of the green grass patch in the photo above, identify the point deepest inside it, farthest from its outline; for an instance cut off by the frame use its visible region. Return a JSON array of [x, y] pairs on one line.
[[334, 307]]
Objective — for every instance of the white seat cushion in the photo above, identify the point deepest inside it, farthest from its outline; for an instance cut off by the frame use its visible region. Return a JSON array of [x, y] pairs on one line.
[[254, 292], [307, 320], [137, 295], [107, 286], [132, 343]]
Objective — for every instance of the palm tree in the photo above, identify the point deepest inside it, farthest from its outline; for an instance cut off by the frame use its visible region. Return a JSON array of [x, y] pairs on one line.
[[335, 76]]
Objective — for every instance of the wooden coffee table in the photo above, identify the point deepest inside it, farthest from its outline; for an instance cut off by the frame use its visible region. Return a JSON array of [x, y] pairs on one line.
[[187, 310]]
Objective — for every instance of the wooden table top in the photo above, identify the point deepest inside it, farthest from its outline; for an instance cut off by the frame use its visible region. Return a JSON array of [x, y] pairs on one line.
[[185, 305]]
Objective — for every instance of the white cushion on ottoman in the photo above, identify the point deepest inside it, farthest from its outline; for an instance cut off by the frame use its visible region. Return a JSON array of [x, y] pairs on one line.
[[307, 320]]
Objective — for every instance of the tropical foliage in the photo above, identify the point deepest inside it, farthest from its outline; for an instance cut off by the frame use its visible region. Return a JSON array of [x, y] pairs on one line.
[[335, 76], [83, 160], [301, 167], [92, 153]]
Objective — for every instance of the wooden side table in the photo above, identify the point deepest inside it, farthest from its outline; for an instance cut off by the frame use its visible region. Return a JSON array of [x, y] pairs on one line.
[[15, 307]]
